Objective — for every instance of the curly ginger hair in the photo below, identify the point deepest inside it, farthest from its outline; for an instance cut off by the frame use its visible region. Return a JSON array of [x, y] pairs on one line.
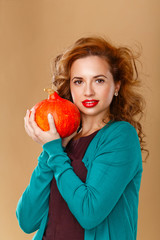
[[129, 105]]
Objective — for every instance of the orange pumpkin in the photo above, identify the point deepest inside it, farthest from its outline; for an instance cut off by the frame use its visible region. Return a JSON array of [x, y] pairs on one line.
[[66, 115]]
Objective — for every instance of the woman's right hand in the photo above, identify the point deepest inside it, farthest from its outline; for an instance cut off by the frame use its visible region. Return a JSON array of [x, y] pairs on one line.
[[36, 133]]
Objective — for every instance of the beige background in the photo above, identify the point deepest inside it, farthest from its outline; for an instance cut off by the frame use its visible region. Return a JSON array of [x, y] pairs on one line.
[[32, 32]]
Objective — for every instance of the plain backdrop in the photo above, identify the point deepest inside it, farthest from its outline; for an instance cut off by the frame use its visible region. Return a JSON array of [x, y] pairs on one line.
[[32, 33]]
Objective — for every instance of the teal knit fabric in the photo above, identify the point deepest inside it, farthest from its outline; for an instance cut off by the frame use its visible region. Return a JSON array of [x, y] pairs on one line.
[[106, 205]]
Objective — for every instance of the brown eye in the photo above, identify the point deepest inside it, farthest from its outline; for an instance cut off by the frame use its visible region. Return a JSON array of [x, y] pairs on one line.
[[78, 82], [100, 80]]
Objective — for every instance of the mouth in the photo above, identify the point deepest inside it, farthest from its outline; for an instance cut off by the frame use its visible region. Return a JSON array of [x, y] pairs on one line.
[[90, 103]]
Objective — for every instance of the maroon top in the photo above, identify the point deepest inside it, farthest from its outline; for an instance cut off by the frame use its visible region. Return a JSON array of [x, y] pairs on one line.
[[62, 225]]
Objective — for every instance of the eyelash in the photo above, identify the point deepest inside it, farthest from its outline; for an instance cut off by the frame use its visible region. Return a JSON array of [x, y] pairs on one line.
[[77, 82], [99, 80]]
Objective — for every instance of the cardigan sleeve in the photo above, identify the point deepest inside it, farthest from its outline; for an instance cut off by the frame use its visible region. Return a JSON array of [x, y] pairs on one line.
[[34, 202], [115, 164]]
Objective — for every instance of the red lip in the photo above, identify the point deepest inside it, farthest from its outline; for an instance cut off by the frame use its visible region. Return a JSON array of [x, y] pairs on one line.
[[90, 103]]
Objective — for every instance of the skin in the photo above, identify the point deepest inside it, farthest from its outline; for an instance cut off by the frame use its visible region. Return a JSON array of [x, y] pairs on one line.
[[90, 78]]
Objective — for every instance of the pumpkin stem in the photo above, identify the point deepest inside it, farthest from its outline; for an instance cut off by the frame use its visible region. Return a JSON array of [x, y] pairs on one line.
[[50, 90]]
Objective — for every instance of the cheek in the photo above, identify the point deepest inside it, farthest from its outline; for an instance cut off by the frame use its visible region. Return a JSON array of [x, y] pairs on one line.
[[73, 98], [108, 94], [74, 94]]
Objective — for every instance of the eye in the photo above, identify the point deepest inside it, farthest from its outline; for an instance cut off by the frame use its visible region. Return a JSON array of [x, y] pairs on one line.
[[77, 82], [100, 80]]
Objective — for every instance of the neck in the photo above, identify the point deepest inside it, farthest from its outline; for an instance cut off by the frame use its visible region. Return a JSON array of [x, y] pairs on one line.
[[91, 124]]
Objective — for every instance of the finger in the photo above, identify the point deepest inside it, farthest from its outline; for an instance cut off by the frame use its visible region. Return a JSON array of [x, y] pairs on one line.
[[27, 116], [66, 140], [35, 131], [30, 131], [27, 126], [32, 115], [32, 121], [51, 123], [72, 135]]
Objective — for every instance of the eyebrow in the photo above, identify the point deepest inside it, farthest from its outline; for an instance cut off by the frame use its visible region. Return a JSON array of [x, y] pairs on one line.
[[100, 75]]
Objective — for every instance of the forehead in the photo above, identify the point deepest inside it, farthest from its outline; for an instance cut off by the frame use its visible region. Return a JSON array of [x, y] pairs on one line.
[[94, 63]]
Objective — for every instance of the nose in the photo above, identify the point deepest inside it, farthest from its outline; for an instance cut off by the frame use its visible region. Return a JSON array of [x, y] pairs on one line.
[[89, 90]]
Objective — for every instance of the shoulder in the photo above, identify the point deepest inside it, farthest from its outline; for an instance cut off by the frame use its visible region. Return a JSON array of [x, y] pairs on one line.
[[117, 127], [117, 144], [119, 133]]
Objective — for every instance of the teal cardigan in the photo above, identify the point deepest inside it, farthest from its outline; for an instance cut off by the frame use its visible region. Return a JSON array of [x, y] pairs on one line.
[[106, 205]]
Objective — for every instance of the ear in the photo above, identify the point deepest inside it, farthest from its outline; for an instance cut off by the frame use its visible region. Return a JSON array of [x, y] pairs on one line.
[[118, 85]]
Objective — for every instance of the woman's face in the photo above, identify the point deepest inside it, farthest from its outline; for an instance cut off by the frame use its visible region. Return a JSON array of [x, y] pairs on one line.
[[92, 85]]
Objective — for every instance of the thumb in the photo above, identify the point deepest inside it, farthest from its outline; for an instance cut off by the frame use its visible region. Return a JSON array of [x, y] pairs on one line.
[[51, 122], [66, 140]]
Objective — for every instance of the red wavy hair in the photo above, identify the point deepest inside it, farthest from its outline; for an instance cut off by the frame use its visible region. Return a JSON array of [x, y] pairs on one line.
[[129, 104]]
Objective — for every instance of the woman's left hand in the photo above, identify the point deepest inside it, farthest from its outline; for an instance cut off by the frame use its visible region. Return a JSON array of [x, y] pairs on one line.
[[36, 133], [66, 140]]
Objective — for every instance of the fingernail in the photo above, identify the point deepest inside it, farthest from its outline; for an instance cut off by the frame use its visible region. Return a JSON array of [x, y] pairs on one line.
[[50, 115]]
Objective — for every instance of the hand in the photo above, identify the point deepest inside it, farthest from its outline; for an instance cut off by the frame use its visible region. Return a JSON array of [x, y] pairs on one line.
[[36, 133], [66, 140]]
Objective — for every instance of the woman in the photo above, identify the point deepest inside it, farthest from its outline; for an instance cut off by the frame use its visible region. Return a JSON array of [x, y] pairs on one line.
[[87, 186]]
